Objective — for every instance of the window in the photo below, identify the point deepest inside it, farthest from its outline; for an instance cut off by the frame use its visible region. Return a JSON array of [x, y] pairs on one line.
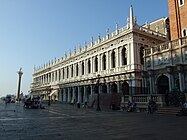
[[104, 62], [96, 64], [72, 71], [181, 2], [113, 59], [63, 73], [124, 56], [82, 68], [184, 32], [89, 66], [77, 70]]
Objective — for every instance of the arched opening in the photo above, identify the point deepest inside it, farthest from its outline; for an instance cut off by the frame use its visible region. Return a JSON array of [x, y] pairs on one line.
[[72, 71], [76, 94], [77, 70], [125, 88], [124, 56], [82, 94], [96, 64], [162, 84], [89, 66], [104, 88], [67, 72], [71, 94], [104, 62], [113, 59], [114, 88], [82, 68], [63, 73]]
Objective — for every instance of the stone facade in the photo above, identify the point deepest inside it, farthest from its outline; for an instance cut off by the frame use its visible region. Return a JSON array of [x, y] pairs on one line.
[[132, 63], [110, 65]]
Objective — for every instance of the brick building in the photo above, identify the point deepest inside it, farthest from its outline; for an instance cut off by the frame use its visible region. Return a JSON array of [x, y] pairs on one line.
[[178, 15]]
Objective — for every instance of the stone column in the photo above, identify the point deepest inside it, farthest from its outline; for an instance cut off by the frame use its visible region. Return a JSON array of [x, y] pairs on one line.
[[117, 57], [79, 96], [60, 95], [91, 88], [73, 89], [180, 69], [118, 87], [151, 80], [108, 88], [171, 78], [85, 94], [120, 57], [107, 61], [64, 95], [69, 99]]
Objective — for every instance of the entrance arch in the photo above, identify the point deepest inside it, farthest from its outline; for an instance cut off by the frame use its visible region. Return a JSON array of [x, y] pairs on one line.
[[125, 88], [162, 84], [114, 88]]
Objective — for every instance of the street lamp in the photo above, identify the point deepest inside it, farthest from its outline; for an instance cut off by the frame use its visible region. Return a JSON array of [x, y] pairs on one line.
[[20, 73], [98, 102]]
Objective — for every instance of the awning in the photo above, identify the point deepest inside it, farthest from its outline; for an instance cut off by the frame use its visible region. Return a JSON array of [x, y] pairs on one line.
[[54, 92]]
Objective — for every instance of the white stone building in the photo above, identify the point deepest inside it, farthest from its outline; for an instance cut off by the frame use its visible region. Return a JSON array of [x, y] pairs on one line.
[[116, 60]]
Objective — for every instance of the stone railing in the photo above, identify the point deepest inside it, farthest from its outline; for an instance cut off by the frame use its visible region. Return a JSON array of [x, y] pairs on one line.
[[184, 40], [142, 99]]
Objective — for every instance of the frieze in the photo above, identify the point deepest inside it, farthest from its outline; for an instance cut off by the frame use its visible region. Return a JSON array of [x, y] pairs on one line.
[[162, 60]]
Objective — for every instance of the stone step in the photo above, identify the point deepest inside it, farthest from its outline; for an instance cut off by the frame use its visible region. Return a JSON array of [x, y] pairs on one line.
[[169, 110]]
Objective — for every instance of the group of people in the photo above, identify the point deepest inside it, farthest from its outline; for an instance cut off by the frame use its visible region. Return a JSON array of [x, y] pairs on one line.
[[33, 103]]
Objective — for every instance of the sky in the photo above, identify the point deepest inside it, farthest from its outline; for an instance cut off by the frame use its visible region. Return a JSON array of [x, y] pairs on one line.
[[33, 32]]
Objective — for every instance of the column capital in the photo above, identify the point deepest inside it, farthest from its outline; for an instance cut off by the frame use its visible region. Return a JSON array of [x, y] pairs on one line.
[[170, 69], [180, 68]]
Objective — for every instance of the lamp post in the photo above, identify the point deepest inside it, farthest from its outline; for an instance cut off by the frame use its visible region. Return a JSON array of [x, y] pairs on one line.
[[20, 73], [98, 102]]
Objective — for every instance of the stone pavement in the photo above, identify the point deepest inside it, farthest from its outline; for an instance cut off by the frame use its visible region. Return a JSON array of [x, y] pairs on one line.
[[67, 122]]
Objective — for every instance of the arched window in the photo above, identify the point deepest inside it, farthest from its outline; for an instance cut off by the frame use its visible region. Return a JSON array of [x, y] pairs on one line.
[[124, 56], [82, 68], [67, 72], [181, 2], [113, 59], [71, 70], [96, 64], [184, 32], [142, 55], [59, 76], [63, 73], [104, 62], [89, 66], [77, 70]]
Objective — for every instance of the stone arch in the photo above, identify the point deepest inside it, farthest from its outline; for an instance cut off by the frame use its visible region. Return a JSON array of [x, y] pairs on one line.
[[76, 94], [96, 64], [124, 56], [114, 88], [104, 62], [113, 59], [125, 88], [77, 69], [89, 66], [82, 94], [82, 68], [162, 84]]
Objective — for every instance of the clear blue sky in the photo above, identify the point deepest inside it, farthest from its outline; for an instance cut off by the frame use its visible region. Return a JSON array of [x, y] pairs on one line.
[[32, 32]]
